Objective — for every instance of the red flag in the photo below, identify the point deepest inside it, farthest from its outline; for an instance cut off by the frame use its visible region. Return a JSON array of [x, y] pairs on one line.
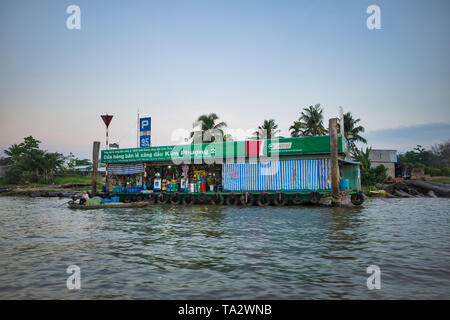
[[107, 119]]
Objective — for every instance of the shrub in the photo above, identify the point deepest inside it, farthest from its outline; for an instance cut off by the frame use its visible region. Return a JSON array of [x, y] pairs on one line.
[[372, 176], [446, 171], [26, 177], [12, 175], [433, 171]]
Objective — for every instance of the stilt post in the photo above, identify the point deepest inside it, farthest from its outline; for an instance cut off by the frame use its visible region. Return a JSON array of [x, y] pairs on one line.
[[335, 192], [95, 154]]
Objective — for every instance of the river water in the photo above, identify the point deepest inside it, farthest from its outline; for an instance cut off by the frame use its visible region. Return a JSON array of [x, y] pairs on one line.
[[206, 252]]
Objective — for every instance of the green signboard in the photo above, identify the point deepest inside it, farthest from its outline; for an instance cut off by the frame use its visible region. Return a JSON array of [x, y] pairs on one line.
[[219, 151], [209, 152], [298, 146]]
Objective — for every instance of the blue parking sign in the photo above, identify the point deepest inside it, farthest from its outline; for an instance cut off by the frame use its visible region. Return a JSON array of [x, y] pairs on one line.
[[145, 141], [145, 124]]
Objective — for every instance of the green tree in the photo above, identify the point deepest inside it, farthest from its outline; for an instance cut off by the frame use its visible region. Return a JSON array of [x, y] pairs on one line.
[[440, 156], [27, 155], [73, 161], [29, 163], [5, 161], [310, 123], [363, 157], [372, 176], [369, 176], [268, 130], [352, 132], [419, 156], [52, 162], [210, 129]]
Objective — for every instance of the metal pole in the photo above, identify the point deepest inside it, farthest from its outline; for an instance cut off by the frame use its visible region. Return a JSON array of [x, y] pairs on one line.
[[107, 178], [95, 153], [335, 193], [137, 129]]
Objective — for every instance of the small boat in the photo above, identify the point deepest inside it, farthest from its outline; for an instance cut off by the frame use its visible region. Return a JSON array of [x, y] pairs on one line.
[[73, 205]]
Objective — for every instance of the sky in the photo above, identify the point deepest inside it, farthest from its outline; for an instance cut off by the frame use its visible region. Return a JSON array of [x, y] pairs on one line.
[[245, 60]]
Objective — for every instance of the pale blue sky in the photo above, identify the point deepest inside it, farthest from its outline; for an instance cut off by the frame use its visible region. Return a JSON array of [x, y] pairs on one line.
[[245, 60]]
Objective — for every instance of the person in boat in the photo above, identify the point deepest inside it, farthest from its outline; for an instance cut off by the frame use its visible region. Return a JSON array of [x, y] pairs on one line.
[[84, 197]]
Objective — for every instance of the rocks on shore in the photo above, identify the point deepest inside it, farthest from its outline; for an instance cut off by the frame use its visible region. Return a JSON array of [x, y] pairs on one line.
[[414, 188]]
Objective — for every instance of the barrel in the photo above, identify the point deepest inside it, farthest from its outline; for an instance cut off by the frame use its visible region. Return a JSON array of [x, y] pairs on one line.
[[344, 184]]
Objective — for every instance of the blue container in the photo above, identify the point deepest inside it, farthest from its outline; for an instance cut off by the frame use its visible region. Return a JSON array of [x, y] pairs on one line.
[[344, 184], [115, 199]]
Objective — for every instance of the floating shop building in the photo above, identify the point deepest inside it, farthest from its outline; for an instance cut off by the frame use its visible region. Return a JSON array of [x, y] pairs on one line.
[[277, 171]]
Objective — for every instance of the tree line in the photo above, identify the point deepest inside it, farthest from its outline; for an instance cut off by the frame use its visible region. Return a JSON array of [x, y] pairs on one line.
[[27, 163], [309, 123], [436, 160]]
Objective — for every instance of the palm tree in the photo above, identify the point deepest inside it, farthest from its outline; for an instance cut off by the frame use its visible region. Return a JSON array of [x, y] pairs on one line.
[[209, 129], [297, 129], [310, 123], [52, 161], [352, 132], [363, 157], [268, 130], [228, 137]]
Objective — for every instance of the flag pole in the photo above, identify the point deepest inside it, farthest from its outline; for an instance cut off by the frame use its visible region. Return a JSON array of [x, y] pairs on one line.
[[137, 129]]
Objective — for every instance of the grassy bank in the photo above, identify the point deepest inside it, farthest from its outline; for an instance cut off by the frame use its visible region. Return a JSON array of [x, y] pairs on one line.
[[72, 179], [438, 179], [61, 184]]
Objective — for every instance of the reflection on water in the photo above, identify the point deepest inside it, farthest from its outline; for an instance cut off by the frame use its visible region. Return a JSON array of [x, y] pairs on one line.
[[175, 252]]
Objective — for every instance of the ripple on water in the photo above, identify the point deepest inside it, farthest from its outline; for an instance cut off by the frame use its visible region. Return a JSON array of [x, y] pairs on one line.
[[205, 252]]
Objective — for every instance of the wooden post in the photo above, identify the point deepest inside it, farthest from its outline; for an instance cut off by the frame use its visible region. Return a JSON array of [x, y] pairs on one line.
[[95, 154], [335, 193], [108, 187]]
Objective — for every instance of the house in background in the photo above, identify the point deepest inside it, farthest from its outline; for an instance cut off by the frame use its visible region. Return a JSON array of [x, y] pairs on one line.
[[388, 158], [87, 170]]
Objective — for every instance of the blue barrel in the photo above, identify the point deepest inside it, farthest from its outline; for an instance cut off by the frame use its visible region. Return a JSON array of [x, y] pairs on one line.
[[344, 184]]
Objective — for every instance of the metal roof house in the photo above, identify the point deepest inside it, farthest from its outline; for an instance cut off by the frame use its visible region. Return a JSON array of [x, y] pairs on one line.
[[388, 158]]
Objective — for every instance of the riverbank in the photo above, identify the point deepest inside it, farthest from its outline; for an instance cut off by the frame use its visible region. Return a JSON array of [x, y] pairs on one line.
[[47, 191], [64, 187], [410, 188], [403, 189]]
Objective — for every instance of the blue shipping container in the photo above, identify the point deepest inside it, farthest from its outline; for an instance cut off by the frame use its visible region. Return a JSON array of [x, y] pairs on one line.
[[277, 175]]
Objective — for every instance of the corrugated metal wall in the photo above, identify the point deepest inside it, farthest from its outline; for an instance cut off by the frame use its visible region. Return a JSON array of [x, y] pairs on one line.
[[277, 175]]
